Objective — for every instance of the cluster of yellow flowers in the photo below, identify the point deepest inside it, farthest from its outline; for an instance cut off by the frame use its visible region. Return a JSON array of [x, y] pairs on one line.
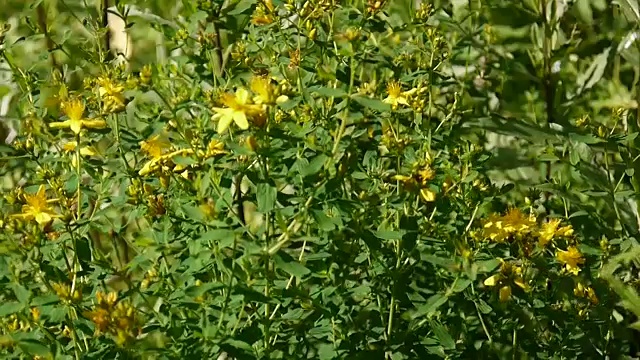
[[66, 293], [160, 153], [13, 323], [240, 107], [74, 109], [264, 13], [517, 228], [118, 318], [514, 225], [414, 97], [420, 179], [37, 207], [509, 274], [586, 292], [158, 149], [111, 94]]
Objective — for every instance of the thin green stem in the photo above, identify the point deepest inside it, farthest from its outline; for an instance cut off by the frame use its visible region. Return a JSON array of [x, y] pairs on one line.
[[345, 118]]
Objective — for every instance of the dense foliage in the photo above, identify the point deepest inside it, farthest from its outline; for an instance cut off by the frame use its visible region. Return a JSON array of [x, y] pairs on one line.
[[320, 179]]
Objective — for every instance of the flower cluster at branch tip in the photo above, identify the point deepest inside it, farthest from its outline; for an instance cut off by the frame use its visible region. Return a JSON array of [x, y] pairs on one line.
[[551, 229], [500, 228], [509, 274], [264, 13], [38, 208], [159, 150], [586, 292], [238, 109], [74, 109], [66, 293], [111, 94], [72, 148], [242, 106], [395, 95], [118, 318], [571, 259], [419, 179]]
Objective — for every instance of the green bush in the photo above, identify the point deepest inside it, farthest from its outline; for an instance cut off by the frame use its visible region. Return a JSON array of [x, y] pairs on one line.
[[320, 179]]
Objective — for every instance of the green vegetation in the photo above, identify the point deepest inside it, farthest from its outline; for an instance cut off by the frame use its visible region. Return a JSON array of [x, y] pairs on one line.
[[320, 179]]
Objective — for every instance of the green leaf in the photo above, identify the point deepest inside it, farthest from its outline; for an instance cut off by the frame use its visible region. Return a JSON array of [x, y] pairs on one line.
[[10, 307], [631, 8], [266, 197], [483, 307], [461, 285], [443, 335], [327, 91], [291, 267], [34, 347], [594, 72], [487, 265], [183, 160], [433, 303], [389, 234], [373, 104], [21, 293], [585, 138], [240, 7], [224, 237], [327, 352], [314, 166], [193, 212], [323, 221], [548, 157], [195, 291]]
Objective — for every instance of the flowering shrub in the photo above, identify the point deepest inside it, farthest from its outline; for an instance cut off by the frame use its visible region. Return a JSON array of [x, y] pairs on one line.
[[319, 179]]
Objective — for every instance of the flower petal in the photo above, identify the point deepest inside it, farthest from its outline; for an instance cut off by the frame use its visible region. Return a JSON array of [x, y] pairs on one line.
[[223, 122], [94, 124], [241, 120], [60, 124], [242, 96], [75, 126], [492, 280]]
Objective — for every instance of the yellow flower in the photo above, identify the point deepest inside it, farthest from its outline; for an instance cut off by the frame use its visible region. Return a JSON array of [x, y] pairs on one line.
[[426, 174], [84, 151], [514, 221], [111, 94], [591, 295], [74, 109], [106, 300], [263, 14], [262, 89], [37, 207], [493, 228], [505, 293], [71, 146], [509, 274], [214, 148], [35, 313], [586, 292], [396, 96], [238, 109], [551, 229], [157, 148], [427, 195], [403, 178], [64, 292], [100, 317], [571, 259]]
